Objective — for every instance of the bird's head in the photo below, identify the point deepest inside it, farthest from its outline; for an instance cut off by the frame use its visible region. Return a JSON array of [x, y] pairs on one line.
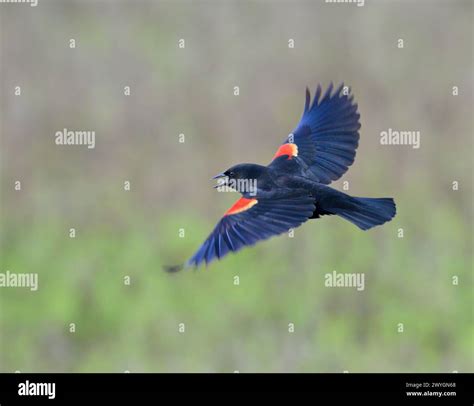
[[242, 177]]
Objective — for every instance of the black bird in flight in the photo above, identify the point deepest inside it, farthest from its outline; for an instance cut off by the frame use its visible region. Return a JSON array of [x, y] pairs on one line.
[[292, 188]]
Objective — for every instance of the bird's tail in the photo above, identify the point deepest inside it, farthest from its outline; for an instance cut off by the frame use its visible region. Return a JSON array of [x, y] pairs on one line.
[[366, 212]]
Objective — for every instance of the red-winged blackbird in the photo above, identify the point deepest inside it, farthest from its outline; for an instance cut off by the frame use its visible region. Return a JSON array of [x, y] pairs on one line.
[[292, 188]]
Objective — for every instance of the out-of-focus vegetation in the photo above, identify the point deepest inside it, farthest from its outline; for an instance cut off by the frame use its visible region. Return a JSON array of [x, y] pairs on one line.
[[122, 234]]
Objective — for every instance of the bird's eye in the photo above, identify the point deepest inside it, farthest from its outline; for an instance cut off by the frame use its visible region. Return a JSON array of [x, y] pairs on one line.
[[231, 173]]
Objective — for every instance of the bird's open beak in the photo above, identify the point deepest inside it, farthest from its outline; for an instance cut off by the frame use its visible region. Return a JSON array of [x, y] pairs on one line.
[[220, 183]]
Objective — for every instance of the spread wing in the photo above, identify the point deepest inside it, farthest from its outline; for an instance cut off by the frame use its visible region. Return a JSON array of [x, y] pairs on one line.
[[324, 142], [252, 220]]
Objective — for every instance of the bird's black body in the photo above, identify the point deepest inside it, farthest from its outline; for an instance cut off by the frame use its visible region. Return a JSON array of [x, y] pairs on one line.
[[293, 187]]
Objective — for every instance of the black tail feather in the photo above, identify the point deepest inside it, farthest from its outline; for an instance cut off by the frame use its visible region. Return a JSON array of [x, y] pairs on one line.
[[366, 212]]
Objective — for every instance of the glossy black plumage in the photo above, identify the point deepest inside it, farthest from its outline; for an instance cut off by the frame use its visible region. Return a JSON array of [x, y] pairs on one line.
[[293, 187]]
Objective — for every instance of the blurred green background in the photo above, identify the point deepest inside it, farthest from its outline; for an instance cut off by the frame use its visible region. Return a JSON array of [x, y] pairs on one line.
[[134, 233]]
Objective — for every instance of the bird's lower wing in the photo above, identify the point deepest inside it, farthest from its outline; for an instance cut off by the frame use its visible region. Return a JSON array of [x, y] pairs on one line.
[[252, 220]]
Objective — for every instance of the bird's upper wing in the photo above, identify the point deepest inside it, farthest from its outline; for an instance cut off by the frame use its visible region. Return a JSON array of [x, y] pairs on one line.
[[251, 220], [324, 142]]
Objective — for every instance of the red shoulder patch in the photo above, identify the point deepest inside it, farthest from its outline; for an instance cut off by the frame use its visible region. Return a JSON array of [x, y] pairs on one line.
[[241, 205], [287, 149]]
